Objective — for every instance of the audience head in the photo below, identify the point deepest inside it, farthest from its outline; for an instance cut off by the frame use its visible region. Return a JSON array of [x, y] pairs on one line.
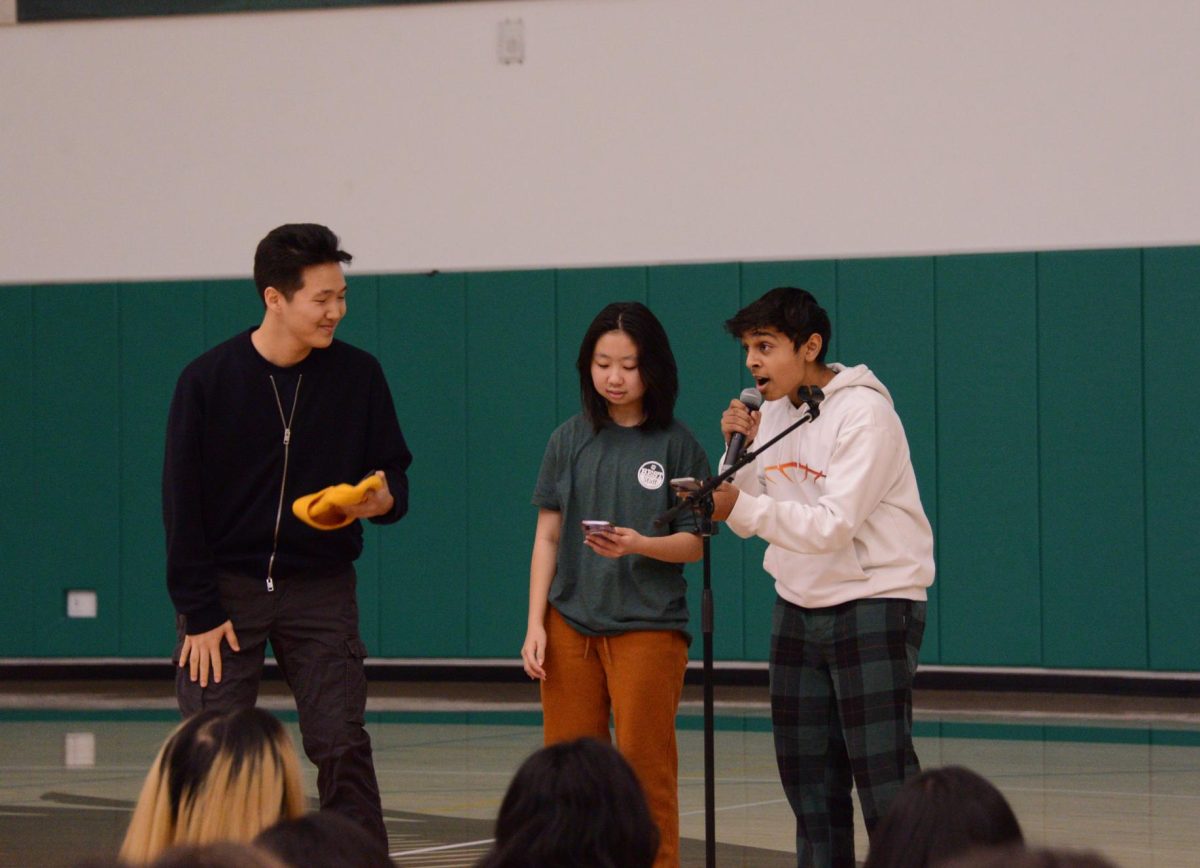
[[1021, 857], [575, 803], [223, 854], [938, 814], [324, 840], [220, 776]]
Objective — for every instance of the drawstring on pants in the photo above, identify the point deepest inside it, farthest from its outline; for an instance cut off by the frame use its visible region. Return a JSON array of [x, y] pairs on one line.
[[587, 647]]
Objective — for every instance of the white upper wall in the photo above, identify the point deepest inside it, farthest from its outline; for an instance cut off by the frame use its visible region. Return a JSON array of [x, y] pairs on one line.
[[636, 131]]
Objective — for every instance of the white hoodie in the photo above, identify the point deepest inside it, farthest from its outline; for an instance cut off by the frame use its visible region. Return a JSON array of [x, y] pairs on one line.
[[837, 499]]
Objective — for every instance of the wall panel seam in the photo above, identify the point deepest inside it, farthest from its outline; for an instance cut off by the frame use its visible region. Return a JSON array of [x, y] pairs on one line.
[[1149, 664], [1037, 428]]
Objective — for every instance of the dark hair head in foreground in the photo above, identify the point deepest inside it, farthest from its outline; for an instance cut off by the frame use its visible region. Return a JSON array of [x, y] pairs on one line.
[[220, 776], [1020, 857], [224, 854], [324, 840], [938, 814], [576, 803]]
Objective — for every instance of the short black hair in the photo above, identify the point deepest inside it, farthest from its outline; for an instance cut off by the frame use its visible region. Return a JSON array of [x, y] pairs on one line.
[[938, 814], [656, 363], [287, 250], [574, 803], [324, 840], [789, 310]]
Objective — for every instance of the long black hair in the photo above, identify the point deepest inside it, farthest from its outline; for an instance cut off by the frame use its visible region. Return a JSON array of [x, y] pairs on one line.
[[656, 363], [574, 803]]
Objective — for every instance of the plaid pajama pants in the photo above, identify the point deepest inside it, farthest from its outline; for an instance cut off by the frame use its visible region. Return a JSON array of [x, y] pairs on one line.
[[841, 711]]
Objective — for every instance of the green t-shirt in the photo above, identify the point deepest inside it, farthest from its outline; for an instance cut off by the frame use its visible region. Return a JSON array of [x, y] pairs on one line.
[[621, 475]]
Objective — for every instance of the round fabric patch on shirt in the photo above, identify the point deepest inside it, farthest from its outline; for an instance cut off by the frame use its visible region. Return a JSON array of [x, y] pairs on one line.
[[652, 475]]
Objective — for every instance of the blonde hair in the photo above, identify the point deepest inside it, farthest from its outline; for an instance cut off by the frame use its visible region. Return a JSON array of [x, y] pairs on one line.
[[220, 776]]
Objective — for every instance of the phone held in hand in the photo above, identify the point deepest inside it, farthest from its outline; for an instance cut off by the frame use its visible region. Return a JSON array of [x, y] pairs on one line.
[[593, 526], [685, 484]]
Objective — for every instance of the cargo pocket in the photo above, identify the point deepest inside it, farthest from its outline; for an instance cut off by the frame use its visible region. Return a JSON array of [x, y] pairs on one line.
[[914, 633], [356, 680]]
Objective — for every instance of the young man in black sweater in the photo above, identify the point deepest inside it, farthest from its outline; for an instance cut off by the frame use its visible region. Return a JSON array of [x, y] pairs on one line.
[[277, 412]]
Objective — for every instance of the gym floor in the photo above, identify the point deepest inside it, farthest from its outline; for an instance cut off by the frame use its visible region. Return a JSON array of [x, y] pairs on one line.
[[1120, 775]]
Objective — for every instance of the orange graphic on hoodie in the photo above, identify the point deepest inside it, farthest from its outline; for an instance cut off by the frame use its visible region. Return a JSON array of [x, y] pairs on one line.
[[783, 471]]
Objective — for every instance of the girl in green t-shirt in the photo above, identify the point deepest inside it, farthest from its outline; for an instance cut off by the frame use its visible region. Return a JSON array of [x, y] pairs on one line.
[[607, 610]]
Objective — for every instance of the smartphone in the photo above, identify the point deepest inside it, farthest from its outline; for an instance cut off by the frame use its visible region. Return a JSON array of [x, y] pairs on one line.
[[685, 484], [591, 526]]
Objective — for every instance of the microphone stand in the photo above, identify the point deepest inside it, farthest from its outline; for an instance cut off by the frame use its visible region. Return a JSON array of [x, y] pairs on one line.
[[701, 503]]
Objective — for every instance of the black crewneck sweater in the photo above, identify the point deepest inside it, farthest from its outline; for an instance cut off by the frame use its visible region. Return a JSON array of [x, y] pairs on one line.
[[224, 466]]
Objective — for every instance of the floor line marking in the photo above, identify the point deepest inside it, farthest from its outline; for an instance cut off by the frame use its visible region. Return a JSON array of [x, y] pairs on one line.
[[400, 853], [735, 807]]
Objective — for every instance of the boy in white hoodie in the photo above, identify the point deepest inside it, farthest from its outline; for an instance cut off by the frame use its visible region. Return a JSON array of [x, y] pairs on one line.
[[851, 552]]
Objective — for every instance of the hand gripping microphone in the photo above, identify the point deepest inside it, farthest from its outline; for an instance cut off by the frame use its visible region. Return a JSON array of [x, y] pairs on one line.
[[753, 399]]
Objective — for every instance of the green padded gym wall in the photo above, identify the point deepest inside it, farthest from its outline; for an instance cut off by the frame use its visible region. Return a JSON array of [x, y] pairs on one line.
[[1171, 312], [1090, 417], [987, 453], [1049, 400]]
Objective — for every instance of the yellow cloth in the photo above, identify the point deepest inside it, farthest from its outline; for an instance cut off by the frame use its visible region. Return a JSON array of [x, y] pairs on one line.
[[320, 510]]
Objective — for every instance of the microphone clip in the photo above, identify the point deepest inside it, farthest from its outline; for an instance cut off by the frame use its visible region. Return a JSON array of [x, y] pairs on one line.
[[811, 396]]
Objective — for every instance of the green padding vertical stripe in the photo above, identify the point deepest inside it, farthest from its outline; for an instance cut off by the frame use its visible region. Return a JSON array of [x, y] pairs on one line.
[[1171, 305], [989, 586], [510, 414], [76, 468], [18, 543], [1091, 460], [423, 559]]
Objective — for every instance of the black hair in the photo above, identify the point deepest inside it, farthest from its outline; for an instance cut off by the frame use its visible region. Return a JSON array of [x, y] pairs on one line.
[[243, 734], [324, 840], [287, 250], [938, 814], [217, 854], [789, 310], [1019, 857], [656, 363], [574, 803]]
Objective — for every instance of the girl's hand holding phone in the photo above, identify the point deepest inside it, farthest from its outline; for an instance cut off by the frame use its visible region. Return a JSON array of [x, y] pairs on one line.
[[614, 542]]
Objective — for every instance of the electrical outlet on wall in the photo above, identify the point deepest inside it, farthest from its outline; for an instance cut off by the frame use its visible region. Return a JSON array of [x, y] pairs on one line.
[[82, 604]]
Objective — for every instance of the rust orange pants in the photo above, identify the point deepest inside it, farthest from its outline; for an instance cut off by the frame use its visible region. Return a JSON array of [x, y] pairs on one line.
[[638, 677]]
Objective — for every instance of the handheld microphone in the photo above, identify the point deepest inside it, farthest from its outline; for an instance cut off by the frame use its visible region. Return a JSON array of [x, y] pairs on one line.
[[753, 399]]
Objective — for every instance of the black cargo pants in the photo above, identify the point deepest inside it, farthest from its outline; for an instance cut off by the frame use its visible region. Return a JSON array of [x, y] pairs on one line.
[[312, 622]]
